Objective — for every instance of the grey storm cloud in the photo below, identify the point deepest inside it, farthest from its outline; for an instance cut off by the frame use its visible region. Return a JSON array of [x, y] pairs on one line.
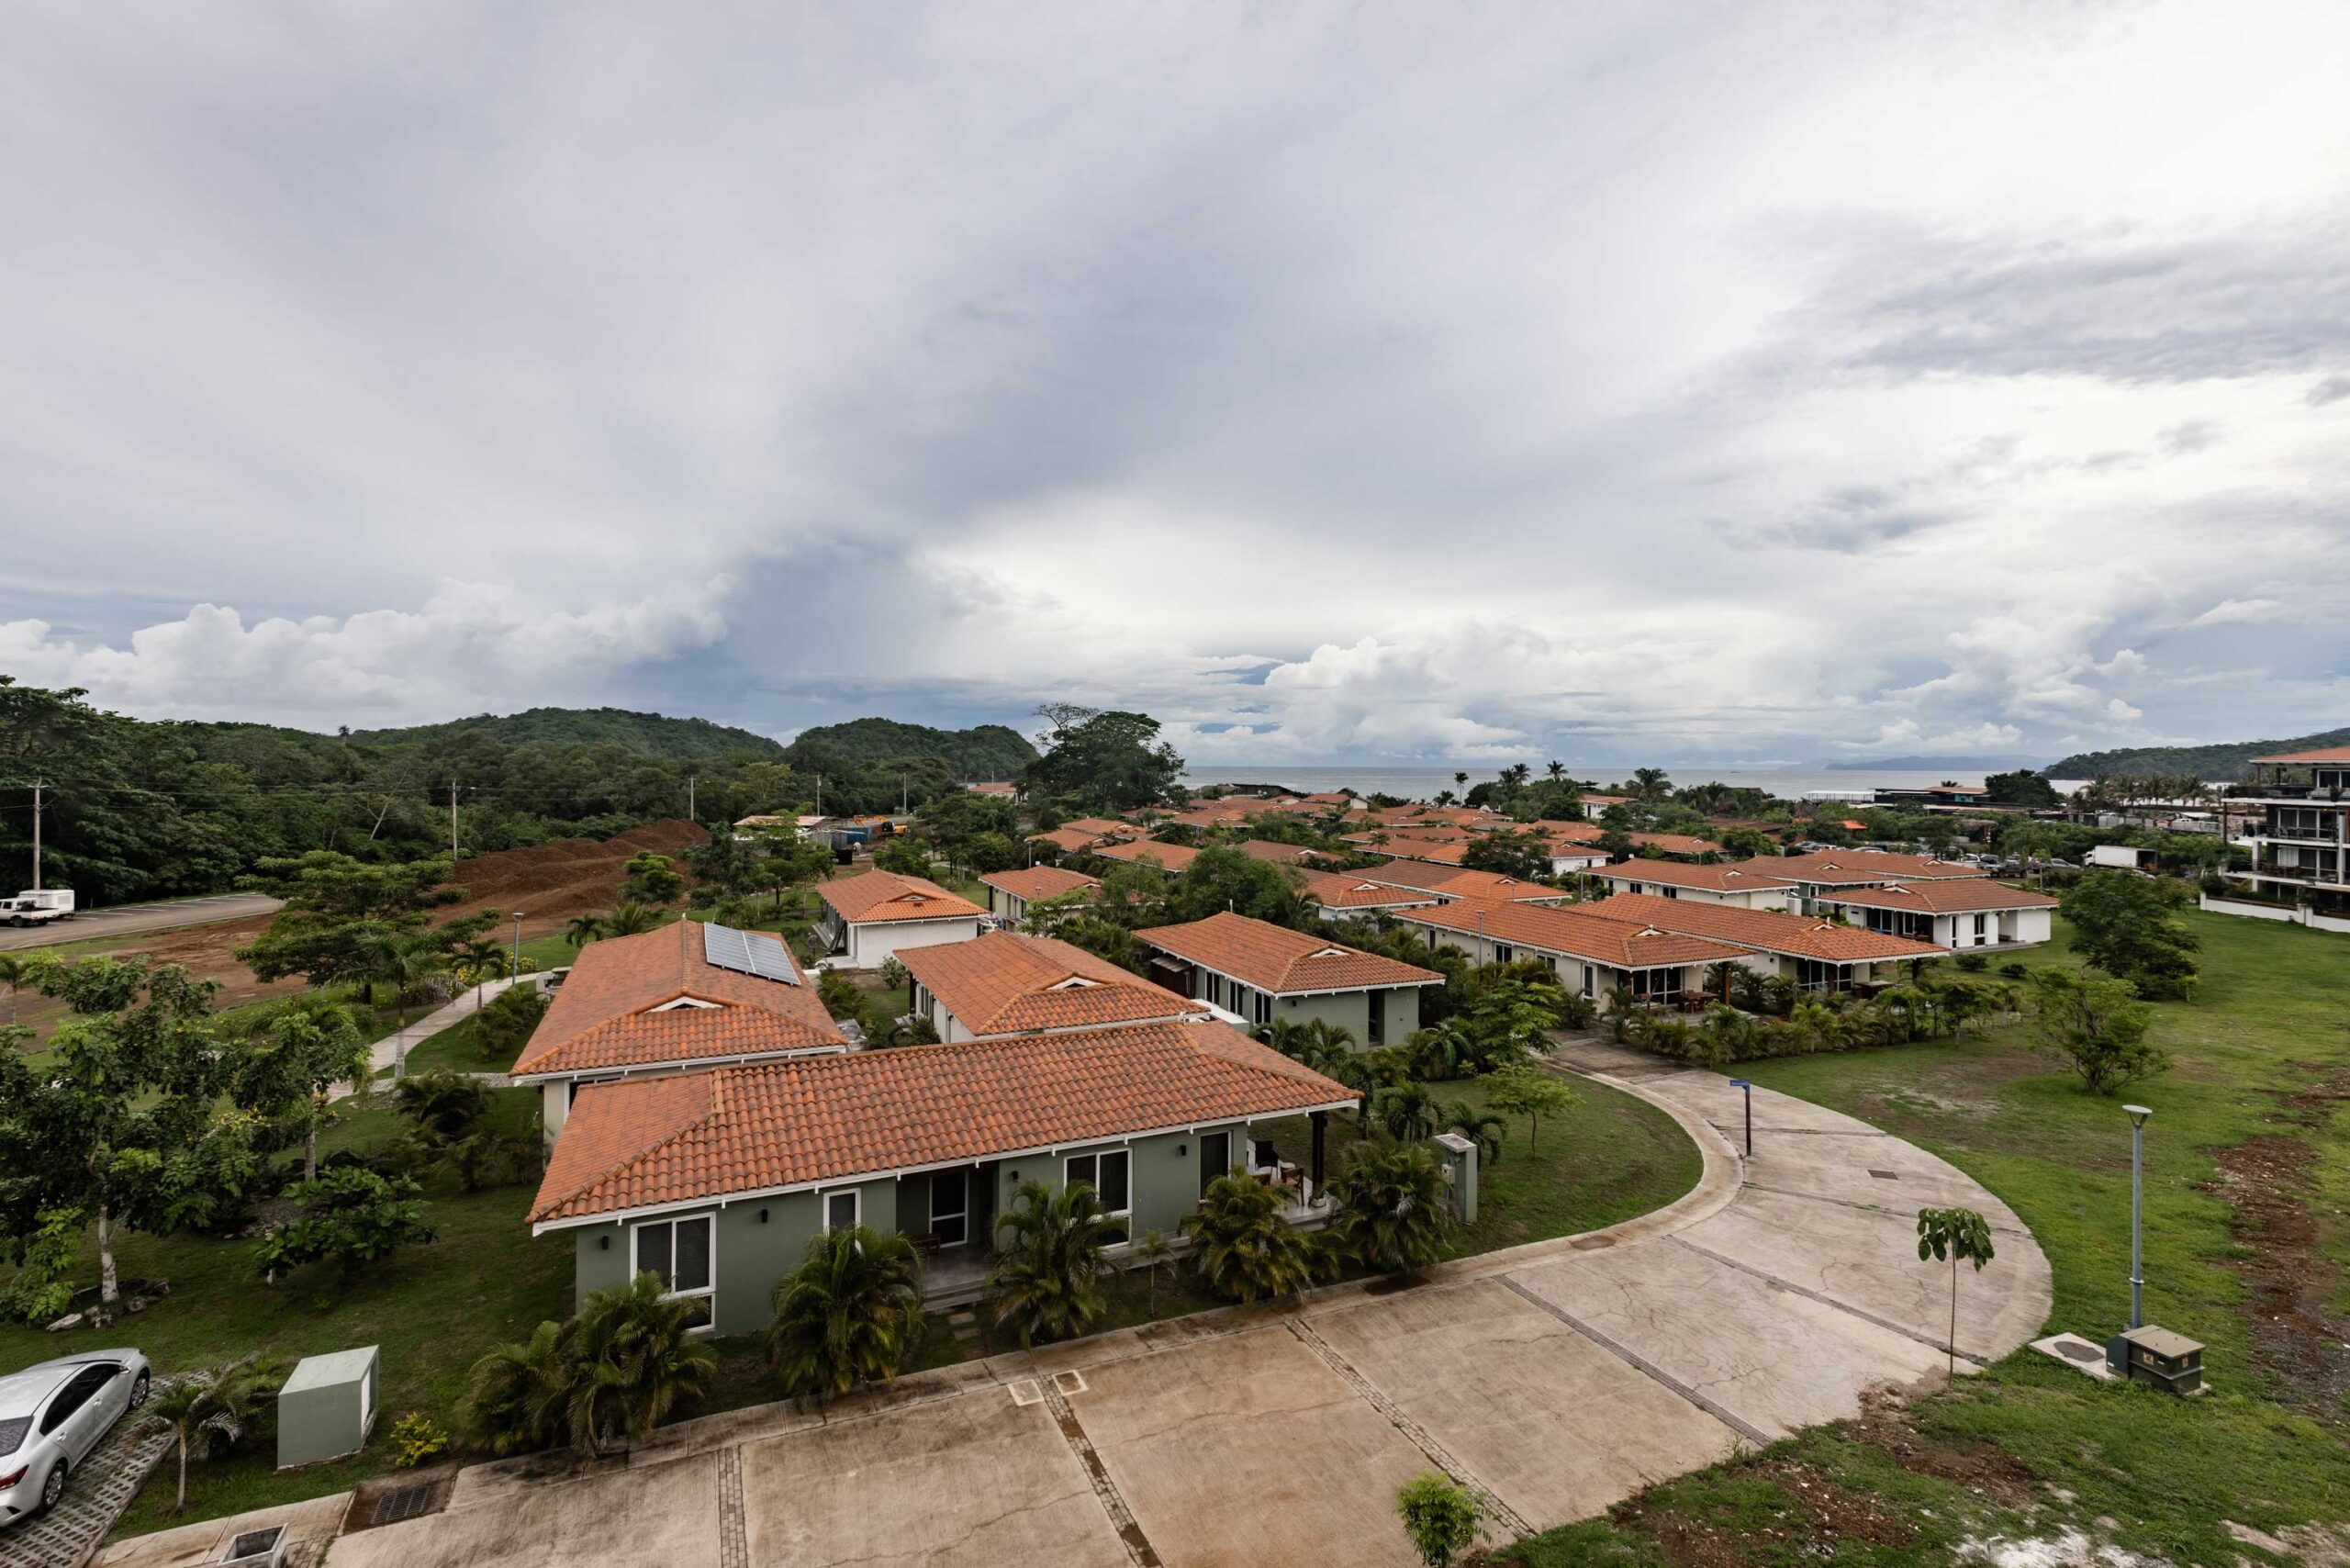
[[1331, 380]]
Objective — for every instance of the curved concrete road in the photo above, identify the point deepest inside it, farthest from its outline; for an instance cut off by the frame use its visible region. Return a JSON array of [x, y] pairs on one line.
[[1555, 1378]]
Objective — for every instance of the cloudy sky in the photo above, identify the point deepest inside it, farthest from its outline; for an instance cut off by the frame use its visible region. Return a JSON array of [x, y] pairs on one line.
[[1743, 383]]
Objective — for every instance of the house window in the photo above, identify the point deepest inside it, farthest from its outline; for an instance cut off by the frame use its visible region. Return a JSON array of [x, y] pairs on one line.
[[1264, 1012], [841, 1209], [1504, 953], [1109, 1173], [1375, 1025], [950, 1218], [678, 1252], [1978, 930], [1215, 1158], [1656, 985]]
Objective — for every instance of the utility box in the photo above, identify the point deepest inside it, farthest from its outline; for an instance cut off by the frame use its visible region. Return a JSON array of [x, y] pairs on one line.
[[2170, 1361], [327, 1407], [1459, 1174]]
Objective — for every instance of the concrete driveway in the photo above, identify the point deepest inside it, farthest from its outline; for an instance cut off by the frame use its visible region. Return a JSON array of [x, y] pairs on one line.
[[1555, 1379]]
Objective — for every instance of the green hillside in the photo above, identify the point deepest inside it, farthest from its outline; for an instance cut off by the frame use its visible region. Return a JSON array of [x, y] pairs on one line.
[[984, 751], [655, 734], [2218, 762]]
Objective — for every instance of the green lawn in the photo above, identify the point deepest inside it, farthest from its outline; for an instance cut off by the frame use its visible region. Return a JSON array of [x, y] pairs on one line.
[[432, 1309], [457, 1049], [2263, 1065]]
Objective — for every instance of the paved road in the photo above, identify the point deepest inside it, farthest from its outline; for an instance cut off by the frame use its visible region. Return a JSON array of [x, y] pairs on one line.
[[1555, 1379], [131, 919]]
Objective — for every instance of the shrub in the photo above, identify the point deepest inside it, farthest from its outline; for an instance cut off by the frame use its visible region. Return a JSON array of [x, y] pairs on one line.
[[1046, 1279], [839, 994], [851, 1313], [1394, 1208], [443, 1105], [501, 1028], [893, 973], [637, 1359], [2014, 970], [1973, 963], [349, 1216], [1439, 1516], [416, 1437], [1242, 1247], [2096, 1025], [515, 1396]]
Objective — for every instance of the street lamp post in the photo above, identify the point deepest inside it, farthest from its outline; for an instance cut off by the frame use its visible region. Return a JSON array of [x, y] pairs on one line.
[[515, 970], [1748, 1085], [2138, 1115]]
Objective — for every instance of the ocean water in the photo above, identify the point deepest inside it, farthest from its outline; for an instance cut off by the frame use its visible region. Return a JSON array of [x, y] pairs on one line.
[[1423, 782]]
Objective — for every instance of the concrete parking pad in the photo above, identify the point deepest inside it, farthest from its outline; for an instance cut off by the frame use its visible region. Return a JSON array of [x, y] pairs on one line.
[[1248, 1450], [1558, 1427], [666, 1514], [974, 1480], [1775, 1359], [310, 1526], [1868, 1260]]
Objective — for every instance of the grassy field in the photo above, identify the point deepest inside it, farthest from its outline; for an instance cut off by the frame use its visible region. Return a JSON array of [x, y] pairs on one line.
[[432, 1309], [2245, 1237], [457, 1049]]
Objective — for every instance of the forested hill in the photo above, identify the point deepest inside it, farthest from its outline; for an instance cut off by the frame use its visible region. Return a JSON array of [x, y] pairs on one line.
[[984, 751], [655, 735], [2218, 764]]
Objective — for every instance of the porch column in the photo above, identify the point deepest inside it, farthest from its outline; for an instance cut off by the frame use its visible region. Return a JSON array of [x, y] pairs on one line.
[[1321, 1121]]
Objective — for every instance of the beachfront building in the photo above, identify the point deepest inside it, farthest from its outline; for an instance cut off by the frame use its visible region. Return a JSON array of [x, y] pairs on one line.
[[2297, 833]]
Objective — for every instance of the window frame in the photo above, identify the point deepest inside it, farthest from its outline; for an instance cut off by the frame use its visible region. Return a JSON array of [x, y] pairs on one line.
[[707, 1294], [1205, 1176], [1094, 1157], [855, 1196], [963, 1217]]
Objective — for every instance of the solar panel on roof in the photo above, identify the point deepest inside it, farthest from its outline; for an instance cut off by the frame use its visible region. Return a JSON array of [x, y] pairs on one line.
[[748, 953]]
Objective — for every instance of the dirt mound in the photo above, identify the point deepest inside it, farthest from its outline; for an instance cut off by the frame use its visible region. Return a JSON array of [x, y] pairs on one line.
[[549, 883]]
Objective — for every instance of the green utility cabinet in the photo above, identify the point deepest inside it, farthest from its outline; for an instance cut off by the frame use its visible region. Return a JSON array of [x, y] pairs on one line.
[[326, 1407], [1460, 1158]]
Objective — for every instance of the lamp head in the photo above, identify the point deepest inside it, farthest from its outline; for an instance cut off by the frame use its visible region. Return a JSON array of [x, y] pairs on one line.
[[1745, 1083], [2138, 1115]]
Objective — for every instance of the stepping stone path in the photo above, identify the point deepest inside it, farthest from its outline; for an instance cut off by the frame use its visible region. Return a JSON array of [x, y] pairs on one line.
[[966, 1329]]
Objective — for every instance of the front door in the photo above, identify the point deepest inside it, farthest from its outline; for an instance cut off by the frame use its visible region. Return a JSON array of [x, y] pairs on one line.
[[950, 1207]]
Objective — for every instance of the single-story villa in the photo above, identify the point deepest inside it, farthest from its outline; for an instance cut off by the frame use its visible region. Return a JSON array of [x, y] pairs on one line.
[[1736, 885], [1011, 892], [1005, 984], [1815, 952], [1353, 892], [716, 1181], [1825, 870], [869, 917], [1170, 858], [1958, 913], [1067, 840], [1104, 827], [1447, 883], [1255, 973], [1674, 845], [1593, 957], [1279, 853], [672, 1000]]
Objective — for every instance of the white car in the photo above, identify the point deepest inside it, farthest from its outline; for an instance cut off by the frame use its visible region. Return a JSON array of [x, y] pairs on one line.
[[52, 1419]]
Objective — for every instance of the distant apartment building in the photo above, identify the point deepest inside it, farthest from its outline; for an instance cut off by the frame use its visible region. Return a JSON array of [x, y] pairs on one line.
[[2297, 831]]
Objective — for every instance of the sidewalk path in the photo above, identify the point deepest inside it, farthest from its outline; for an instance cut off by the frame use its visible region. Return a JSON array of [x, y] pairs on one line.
[[1553, 1379], [392, 1048]]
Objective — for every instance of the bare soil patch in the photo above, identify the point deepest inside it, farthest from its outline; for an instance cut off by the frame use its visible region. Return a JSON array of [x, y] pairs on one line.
[[2268, 1181]]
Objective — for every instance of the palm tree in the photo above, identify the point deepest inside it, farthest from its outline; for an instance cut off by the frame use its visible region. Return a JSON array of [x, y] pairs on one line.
[[406, 958], [638, 1358], [1154, 1251], [1243, 1248], [14, 970], [484, 957], [1405, 1113], [632, 919], [1394, 1211], [215, 1405], [519, 1394], [1461, 781], [851, 1313], [1045, 1282], [584, 929], [1557, 771], [1481, 1127]]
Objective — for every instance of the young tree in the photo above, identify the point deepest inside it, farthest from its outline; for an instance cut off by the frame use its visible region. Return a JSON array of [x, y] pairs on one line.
[[1439, 1516], [210, 1407], [1956, 1235], [1530, 1092], [1046, 1279], [484, 959], [584, 929], [349, 1215], [650, 879], [518, 1396], [339, 912], [632, 919], [851, 1313], [1395, 1209], [302, 1052], [1154, 1251], [1405, 1113], [1244, 1248], [2097, 1025], [125, 1123], [2128, 925]]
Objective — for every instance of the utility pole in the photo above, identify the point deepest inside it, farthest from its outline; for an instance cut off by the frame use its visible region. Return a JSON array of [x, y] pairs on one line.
[[820, 795], [35, 835], [453, 819], [516, 968], [689, 799]]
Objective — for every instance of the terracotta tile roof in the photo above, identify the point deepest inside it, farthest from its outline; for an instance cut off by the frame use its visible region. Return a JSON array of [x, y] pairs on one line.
[[1105, 827], [1457, 882], [1675, 842], [603, 1016], [1067, 840], [1005, 984], [773, 1125], [1276, 959], [993, 788], [1615, 943], [2324, 753], [880, 896], [1764, 930], [1958, 895], [1038, 881], [1857, 867], [1555, 831], [1683, 874], [1352, 889], [1280, 854], [1171, 856]]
